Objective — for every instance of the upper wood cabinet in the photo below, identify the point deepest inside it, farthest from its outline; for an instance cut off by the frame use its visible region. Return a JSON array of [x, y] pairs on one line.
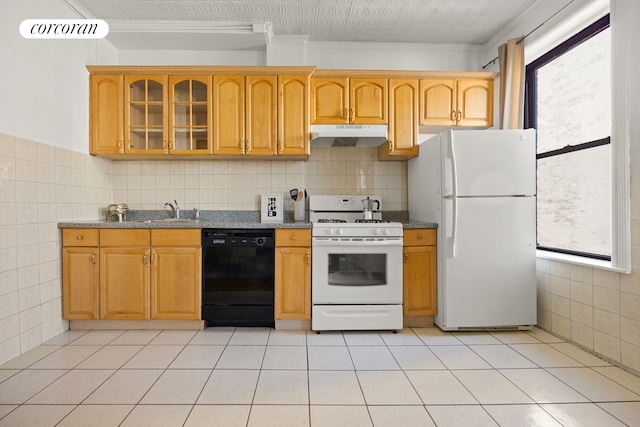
[[451, 102], [245, 115], [340, 100], [403, 121], [293, 115], [106, 118], [146, 114], [167, 114], [261, 112], [189, 115], [228, 113], [261, 115]]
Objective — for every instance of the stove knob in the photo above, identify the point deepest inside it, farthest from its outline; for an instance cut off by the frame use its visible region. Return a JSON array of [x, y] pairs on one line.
[[385, 232], [330, 231], [340, 232], [376, 232]]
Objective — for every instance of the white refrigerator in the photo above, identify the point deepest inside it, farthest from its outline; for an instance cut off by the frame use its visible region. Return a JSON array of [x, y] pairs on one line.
[[479, 186]]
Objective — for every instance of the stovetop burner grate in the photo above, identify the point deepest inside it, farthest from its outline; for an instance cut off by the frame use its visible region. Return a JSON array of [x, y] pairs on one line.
[[332, 220], [371, 221]]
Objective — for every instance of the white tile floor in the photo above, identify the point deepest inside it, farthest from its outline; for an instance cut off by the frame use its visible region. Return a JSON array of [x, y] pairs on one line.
[[263, 377]]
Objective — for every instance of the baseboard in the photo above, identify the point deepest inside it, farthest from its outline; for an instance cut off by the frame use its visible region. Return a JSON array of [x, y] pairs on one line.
[[418, 321], [135, 324]]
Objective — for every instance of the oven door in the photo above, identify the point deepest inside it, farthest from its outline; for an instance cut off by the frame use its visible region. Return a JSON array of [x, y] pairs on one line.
[[357, 271]]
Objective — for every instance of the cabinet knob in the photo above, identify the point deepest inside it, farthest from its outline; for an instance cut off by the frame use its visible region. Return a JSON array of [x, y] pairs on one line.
[[79, 237], [293, 237], [419, 236]]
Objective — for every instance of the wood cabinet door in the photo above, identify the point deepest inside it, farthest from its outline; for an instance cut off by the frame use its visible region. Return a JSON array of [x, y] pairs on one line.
[[228, 115], [475, 103], [124, 283], [293, 115], [260, 115], [80, 279], [368, 101], [146, 115], [292, 293], [420, 281], [176, 280], [106, 114], [403, 117], [190, 115], [329, 100], [438, 102]]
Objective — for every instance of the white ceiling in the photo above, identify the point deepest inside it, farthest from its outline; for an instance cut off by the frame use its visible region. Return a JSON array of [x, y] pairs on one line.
[[169, 24]]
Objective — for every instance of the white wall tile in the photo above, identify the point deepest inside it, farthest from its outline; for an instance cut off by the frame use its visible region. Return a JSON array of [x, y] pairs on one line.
[[606, 322], [28, 276], [8, 282], [9, 304], [607, 345]]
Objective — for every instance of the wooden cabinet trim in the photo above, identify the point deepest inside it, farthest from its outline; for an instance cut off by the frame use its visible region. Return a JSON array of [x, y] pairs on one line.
[[293, 237], [125, 237], [176, 237], [80, 237], [419, 237]]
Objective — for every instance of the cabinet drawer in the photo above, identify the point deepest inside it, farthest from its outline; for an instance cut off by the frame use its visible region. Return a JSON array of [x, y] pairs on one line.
[[125, 237], [176, 237], [419, 237], [80, 237], [293, 237]]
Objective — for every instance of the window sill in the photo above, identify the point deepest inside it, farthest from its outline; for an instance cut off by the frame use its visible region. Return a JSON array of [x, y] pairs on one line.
[[578, 260]]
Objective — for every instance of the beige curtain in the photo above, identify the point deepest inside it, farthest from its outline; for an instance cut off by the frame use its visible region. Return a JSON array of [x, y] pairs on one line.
[[511, 60]]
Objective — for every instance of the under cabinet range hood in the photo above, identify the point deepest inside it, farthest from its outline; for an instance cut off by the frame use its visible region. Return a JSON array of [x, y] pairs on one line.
[[348, 135]]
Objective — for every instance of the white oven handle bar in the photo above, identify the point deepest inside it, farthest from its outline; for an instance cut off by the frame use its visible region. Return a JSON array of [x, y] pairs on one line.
[[356, 241]]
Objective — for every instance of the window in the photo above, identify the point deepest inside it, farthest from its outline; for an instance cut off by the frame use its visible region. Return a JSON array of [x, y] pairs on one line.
[[568, 101]]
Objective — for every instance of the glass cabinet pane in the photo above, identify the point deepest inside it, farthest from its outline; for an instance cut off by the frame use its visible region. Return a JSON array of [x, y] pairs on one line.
[[190, 115], [182, 92], [155, 91], [199, 91], [146, 115]]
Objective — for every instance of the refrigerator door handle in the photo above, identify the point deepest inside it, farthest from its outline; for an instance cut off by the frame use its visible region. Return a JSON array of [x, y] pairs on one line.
[[454, 200], [451, 239]]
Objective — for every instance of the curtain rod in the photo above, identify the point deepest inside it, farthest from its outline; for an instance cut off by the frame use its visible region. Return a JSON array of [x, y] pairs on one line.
[[493, 61]]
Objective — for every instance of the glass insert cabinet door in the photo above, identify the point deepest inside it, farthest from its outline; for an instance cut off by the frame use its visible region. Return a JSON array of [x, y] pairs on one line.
[[145, 118], [190, 114]]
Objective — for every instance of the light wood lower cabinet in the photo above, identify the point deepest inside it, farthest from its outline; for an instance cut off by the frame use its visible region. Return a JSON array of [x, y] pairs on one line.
[[124, 274], [292, 291], [176, 274], [420, 273], [131, 274], [80, 274], [124, 283]]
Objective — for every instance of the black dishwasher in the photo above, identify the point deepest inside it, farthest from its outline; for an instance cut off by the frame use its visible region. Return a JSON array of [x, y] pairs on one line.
[[237, 277]]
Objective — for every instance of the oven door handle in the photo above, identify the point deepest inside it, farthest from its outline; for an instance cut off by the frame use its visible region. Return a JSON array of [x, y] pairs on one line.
[[360, 242]]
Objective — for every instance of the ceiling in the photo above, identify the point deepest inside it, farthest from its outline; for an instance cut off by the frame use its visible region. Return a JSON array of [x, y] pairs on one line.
[[248, 24]]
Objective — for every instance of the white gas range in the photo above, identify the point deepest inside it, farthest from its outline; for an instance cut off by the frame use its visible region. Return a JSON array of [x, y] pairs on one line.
[[357, 265]]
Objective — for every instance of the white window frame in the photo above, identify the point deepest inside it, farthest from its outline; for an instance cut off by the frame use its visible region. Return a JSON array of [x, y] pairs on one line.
[[621, 25]]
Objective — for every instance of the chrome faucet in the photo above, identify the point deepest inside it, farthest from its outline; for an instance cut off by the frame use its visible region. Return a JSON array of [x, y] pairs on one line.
[[175, 210]]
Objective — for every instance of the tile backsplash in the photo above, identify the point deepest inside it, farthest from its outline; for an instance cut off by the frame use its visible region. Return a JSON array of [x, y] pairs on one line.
[[238, 184]]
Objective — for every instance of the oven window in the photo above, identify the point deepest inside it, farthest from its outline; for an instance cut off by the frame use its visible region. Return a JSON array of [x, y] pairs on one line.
[[357, 269]]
